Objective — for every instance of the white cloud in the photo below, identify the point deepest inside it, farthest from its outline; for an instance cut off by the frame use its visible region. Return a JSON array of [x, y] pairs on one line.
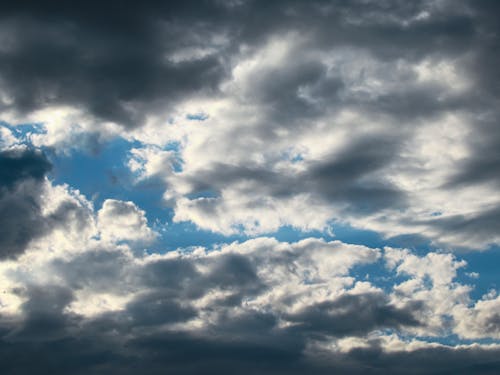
[[245, 132], [288, 107], [123, 221], [261, 275]]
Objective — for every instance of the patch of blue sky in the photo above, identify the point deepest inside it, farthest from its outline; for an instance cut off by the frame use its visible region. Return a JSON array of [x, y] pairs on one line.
[[450, 339], [172, 146], [293, 156], [200, 116], [186, 235], [105, 175], [178, 165], [23, 132], [378, 275], [296, 158], [291, 234], [207, 193], [485, 263], [355, 236], [453, 340]]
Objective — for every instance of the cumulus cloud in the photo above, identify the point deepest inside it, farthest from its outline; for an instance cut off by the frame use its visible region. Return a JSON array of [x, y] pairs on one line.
[[260, 300], [273, 302], [119, 220]]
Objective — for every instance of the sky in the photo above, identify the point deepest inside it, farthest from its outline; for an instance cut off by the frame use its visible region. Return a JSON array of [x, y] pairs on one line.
[[251, 187]]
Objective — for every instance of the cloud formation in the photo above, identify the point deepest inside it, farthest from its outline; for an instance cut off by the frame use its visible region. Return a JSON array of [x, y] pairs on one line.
[[24, 215], [253, 118], [263, 305], [372, 86]]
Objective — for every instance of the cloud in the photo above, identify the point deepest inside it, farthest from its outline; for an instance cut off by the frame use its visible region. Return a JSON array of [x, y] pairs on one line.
[[19, 164], [251, 116], [119, 221], [370, 114], [115, 65], [263, 305], [23, 213], [351, 314]]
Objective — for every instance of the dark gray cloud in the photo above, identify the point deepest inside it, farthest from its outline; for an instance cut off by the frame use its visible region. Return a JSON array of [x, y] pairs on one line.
[[146, 334], [483, 163], [274, 353], [182, 354], [111, 59], [237, 338], [444, 360], [20, 212], [474, 227], [106, 267], [19, 165], [22, 173], [351, 176], [353, 314], [157, 308], [44, 319], [348, 178]]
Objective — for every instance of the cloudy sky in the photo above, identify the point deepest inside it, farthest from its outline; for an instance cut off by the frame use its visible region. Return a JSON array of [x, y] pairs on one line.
[[251, 187]]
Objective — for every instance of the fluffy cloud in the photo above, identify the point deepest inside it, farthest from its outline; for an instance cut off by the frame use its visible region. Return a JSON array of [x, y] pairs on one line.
[[356, 113], [260, 300], [303, 302], [118, 220]]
